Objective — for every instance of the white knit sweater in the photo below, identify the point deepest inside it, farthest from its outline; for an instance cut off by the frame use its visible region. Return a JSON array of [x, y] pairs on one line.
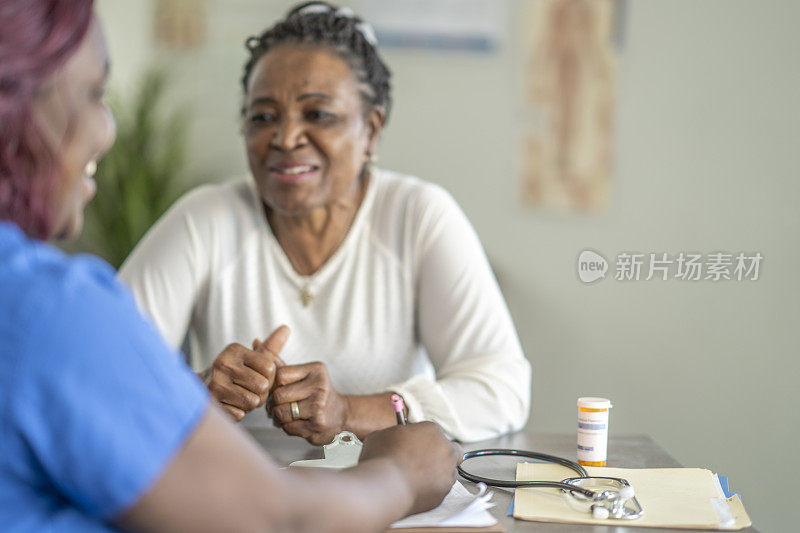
[[408, 303]]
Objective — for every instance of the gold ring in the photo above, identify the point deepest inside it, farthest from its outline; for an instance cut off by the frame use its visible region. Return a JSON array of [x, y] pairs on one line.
[[295, 410]]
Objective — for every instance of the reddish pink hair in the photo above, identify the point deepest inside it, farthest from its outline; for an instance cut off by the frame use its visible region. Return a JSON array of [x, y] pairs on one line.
[[37, 37]]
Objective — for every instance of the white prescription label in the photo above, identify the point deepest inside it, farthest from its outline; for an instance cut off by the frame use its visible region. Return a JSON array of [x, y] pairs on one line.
[[593, 430]]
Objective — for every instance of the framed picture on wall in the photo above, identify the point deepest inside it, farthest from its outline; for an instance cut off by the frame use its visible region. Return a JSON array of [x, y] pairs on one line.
[[465, 25], [180, 24]]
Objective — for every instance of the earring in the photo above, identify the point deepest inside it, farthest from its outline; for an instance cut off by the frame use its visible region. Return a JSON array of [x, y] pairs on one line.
[[372, 158]]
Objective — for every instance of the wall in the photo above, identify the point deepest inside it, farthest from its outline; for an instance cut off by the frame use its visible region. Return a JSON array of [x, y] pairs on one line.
[[707, 134]]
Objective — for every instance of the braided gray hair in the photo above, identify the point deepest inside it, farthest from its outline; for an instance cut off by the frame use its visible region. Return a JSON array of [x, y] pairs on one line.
[[337, 28]]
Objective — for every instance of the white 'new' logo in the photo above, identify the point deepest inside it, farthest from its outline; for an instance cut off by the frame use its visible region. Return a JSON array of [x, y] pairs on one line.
[[591, 266]]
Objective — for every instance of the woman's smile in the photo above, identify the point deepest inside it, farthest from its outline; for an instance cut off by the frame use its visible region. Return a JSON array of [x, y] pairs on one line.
[[290, 172], [88, 181]]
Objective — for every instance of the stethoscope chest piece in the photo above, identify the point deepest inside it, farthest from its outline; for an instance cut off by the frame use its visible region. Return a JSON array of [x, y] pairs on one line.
[[614, 497]]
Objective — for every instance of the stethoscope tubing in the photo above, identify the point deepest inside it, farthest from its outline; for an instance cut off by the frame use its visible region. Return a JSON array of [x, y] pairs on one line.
[[575, 467]]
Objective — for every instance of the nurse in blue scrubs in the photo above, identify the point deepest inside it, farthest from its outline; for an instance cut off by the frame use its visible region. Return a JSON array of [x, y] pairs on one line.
[[100, 428]]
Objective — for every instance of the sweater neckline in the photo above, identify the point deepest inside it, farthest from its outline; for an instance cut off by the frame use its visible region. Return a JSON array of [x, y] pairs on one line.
[[306, 284]]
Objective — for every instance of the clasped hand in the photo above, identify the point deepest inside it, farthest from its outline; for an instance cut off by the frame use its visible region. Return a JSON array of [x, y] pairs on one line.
[[243, 379], [320, 411]]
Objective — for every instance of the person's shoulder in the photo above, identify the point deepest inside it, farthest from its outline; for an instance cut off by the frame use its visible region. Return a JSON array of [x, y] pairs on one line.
[[46, 293], [212, 199], [220, 213], [408, 211], [410, 196], [32, 267]]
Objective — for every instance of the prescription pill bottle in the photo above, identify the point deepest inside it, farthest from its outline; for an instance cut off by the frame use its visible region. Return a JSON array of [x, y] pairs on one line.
[[593, 431]]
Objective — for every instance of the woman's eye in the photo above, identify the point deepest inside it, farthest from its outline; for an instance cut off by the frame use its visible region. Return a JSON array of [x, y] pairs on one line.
[[319, 115], [262, 118], [98, 94]]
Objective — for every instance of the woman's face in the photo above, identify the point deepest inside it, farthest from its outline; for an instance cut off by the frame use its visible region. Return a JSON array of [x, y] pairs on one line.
[[307, 129], [77, 124]]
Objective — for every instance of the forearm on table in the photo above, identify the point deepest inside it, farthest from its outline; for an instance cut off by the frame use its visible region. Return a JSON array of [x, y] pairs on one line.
[[229, 484], [367, 497], [368, 413], [469, 406]]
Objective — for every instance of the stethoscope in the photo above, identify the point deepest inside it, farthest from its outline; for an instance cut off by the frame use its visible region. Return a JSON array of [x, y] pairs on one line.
[[612, 497]]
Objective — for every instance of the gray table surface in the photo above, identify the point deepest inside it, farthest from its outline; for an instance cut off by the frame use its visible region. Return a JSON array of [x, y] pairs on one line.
[[632, 451]]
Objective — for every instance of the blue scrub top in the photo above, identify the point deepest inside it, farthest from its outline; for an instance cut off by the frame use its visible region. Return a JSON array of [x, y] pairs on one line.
[[93, 405]]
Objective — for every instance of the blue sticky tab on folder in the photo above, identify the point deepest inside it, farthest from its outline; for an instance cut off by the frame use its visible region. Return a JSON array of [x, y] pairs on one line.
[[510, 511], [723, 481]]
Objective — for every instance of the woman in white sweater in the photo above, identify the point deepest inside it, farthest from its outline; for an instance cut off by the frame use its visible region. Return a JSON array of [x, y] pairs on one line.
[[379, 276]]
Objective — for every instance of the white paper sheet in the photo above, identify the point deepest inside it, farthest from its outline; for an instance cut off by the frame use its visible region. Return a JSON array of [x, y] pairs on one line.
[[460, 508]]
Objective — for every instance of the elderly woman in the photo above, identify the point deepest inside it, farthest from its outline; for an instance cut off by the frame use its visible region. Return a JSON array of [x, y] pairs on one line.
[[379, 275]]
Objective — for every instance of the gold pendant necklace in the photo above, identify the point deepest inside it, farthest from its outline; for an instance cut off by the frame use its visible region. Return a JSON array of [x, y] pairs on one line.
[[306, 296]]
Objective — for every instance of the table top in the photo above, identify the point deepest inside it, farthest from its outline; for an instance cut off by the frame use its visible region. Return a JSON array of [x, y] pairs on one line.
[[630, 451]]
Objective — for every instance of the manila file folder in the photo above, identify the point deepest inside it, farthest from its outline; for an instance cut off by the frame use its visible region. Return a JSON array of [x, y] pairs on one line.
[[680, 498]]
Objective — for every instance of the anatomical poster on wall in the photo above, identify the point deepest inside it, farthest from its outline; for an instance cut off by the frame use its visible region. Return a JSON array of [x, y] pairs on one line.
[[571, 68]]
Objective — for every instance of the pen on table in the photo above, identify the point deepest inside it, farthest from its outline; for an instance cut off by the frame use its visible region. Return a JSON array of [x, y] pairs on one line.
[[399, 409]]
